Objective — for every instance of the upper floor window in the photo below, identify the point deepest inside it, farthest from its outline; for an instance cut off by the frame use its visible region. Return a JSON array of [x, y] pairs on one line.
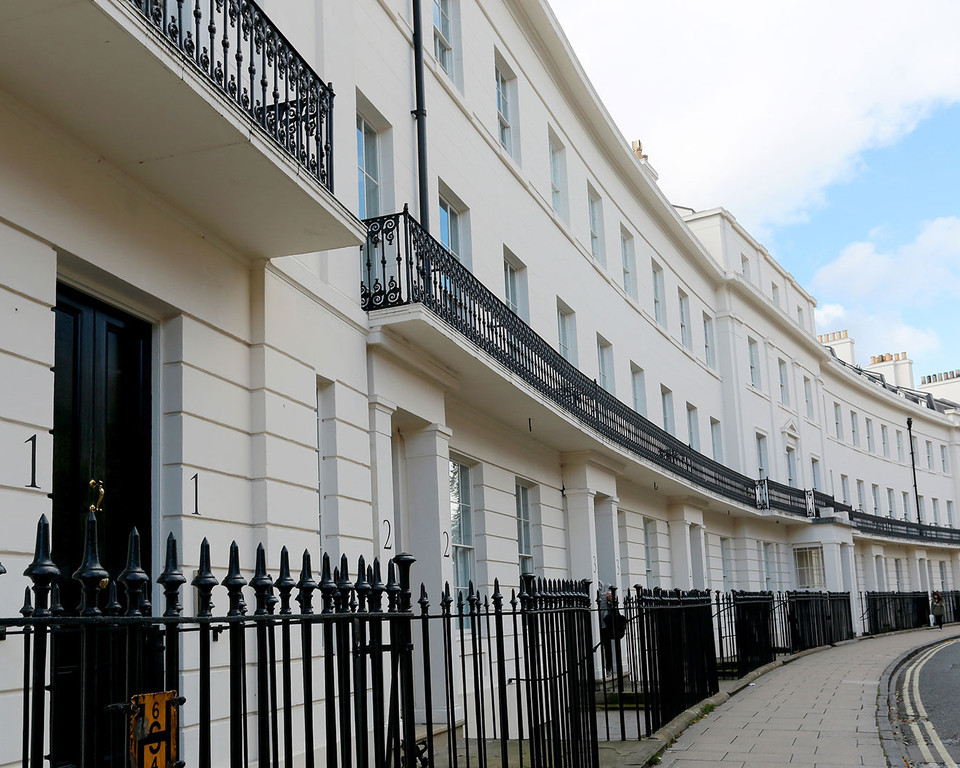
[[784, 372], [604, 363], [838, 421], [815, 473], [845, 488], [666, 403], [745, 267], [861, 496], [629, 261], [775, 293], [891, 502], [686, 337], [506, 88], [693, 427], [659, 311], [808, 397], [709, 356], [450, 227], [558, 176], [566, 333], [443, 34], [875, 494], [800, 320], [515, 284], [716, 440], [595, 210], [899, 446], [870, 442], [950, 513], [944, 466], [854, 429], [638, 389], [368, 169], [929, 455], [791, 456], [885, 440], [753, 352], [762, 466]]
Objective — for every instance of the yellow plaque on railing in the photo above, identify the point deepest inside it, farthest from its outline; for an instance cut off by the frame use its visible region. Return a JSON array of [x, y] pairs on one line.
[[153, 730]]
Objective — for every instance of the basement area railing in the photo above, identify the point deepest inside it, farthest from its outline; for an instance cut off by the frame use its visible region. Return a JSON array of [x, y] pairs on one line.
[[256, 68]]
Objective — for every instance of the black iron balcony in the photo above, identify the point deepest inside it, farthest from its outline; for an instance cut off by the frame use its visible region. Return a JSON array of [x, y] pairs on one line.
[[254, 66], [903, 529], [403, 264]]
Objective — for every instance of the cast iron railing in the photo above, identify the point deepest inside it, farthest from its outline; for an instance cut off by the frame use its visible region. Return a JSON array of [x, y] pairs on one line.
[[891, 611], [903, 529], [403, 264], [818, 618], [256, 68]]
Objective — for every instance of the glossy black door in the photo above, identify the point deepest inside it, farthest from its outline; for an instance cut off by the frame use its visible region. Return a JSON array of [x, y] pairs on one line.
[[101, 430]]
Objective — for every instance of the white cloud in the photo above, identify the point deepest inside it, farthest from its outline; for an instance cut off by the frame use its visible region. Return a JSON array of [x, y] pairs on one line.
[[759, 106], [911, 275], [877, 333]]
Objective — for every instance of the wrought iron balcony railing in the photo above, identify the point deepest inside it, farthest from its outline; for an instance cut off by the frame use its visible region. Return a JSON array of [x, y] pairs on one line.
[[403, 264], [903, 529], [254, 67]]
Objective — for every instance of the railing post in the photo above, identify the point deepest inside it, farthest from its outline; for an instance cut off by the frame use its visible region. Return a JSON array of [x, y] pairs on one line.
[[204, 582], [234, 582], [42, 572], [403, 562]]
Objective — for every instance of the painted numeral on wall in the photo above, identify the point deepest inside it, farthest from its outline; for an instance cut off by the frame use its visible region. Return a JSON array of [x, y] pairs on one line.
[[388, 539], [446, 543], [33, 462], [196, 493]]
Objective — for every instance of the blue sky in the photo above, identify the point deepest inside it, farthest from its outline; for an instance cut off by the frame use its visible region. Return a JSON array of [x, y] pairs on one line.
[[830, 130]]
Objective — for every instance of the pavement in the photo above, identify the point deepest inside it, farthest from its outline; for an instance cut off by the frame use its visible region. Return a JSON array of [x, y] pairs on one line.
[[825, 708]]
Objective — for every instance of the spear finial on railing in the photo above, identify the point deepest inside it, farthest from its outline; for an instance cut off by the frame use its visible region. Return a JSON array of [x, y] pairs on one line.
[[204, 582], [42, 571], [171, 579], [133, 577], [306, 585], [26, 610], [362, 586], [327, 585], [262, 583], [376, 586], [285, 582], [234, 582], [392, 589], [91, 575], [113, 607]]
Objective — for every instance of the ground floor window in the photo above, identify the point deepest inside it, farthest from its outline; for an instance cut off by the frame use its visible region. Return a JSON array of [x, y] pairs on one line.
[[809, 561], [461, 528], [524, 544]]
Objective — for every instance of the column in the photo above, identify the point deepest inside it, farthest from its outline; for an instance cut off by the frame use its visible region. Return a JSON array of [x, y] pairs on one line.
[[428, 502], [381, 472], [608, 550], [582, 534], [680, 556], [955, 569]]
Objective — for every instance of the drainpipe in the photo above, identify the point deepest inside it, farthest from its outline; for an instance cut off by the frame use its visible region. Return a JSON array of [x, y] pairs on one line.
[[913, 464], [420, 113]]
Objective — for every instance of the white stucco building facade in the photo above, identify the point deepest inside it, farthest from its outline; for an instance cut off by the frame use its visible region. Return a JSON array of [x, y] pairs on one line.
[[274, 408]]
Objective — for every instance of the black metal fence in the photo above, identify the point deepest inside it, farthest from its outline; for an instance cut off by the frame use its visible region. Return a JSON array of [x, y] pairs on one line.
[[891, 611], [236, 46], [342, 669], [752, 628], [818, 618]]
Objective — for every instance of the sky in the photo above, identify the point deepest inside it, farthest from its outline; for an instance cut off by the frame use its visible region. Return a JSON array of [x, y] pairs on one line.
[[830, 130]]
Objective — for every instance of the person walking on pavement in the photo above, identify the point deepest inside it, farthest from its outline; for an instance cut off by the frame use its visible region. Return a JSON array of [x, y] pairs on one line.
[[613, 626], [937, 608]]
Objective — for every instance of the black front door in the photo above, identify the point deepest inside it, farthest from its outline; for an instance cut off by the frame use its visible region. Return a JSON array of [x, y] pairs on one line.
[[102, 431]]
